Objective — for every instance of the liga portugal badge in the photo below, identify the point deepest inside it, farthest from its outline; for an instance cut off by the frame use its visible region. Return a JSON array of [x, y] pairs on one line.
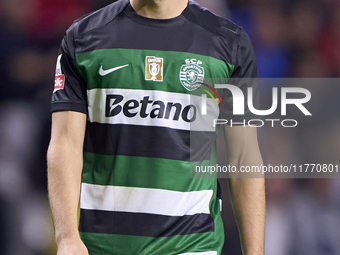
[[59, 81]]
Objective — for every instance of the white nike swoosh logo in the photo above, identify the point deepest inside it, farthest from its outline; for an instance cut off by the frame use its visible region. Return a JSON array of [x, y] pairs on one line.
[[106, 72]]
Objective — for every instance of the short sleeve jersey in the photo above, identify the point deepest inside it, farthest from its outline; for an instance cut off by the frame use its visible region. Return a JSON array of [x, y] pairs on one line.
[[147, 88]]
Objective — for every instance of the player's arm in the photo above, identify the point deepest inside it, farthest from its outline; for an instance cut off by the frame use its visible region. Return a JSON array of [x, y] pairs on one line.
[[65, 160], [247, 194]]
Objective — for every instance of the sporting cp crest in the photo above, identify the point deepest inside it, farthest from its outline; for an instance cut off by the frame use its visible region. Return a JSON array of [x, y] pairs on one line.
[[153, 69], [191, 74]]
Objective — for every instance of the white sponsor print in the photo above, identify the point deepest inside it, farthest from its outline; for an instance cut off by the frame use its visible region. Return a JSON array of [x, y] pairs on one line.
[[150, 108]]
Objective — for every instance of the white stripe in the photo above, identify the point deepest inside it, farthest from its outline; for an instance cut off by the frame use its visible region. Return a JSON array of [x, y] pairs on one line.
[[58, 70], [143, 200], [204, 105], [97, 105], [200, 253]]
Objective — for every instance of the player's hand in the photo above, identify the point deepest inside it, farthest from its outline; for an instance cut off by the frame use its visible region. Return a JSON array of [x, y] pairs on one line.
[[72, 247]]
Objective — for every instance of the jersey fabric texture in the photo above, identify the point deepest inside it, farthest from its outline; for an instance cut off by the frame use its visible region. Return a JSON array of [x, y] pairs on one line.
[[139, 81]]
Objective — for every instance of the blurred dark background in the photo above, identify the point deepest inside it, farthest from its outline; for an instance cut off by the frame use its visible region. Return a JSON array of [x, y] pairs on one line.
[[292, 38]]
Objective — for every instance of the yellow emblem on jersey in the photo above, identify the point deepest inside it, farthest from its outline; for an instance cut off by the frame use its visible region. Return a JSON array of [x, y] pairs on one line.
[[154, 69]]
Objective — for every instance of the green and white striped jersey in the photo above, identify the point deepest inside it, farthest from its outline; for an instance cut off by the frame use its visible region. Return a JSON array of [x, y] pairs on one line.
[[140, 83]]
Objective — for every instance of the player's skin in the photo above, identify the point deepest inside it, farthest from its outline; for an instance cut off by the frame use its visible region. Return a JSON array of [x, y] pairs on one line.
[[247, 195], [159, 9], [65, 163], [65, 160]]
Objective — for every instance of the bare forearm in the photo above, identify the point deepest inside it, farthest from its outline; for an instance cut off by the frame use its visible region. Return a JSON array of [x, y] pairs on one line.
[[64, 178], [248, 202]]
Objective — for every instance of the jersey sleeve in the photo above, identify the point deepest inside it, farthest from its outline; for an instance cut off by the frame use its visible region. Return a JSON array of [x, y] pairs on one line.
[[243, 77], [70, 89]]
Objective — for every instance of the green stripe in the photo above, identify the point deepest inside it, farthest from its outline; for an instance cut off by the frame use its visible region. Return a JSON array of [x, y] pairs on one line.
[[105, 244], [133, 76], [143, 172]]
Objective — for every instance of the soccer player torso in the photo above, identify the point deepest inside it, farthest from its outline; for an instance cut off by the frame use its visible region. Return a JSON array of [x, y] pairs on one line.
[[140, 81]]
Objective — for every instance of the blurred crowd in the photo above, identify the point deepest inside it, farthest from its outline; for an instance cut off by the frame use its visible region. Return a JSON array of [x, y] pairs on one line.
[[30, 35], [299, 39], [292, 38]]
